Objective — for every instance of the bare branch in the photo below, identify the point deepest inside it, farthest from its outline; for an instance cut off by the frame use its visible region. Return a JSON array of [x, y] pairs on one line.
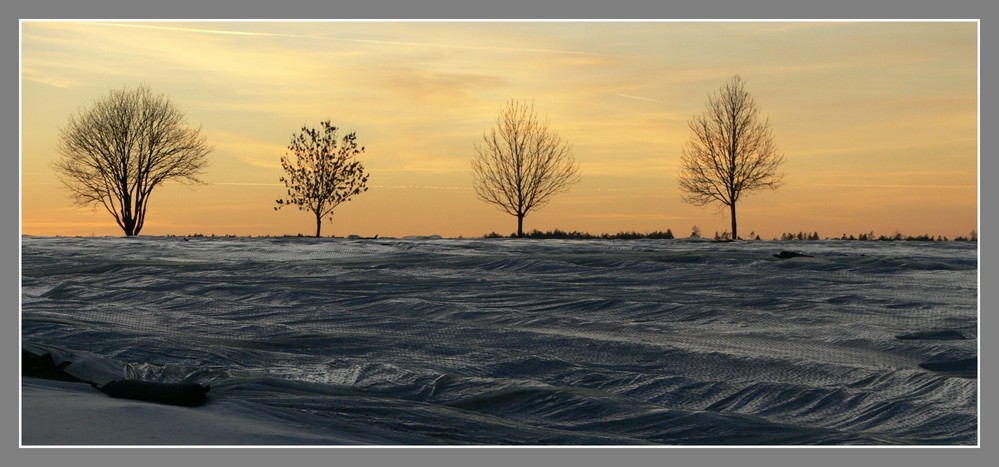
[[730, 152], [117, 151], [521, 163]]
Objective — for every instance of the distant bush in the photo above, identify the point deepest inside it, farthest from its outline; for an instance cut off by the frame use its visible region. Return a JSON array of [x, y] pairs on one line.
[[870, 237], [727, 236], [723, 237], [667, 235], [799, 236], [575, 235]]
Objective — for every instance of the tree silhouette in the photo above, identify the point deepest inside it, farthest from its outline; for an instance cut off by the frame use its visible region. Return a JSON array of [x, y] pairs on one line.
[[730, 152], [522, 163], [117, 151], [322, 175]]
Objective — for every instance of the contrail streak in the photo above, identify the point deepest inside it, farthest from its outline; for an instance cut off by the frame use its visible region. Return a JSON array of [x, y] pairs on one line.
[[629, 96], [471, 47], [200, 30], [360, 41], [873, 185]]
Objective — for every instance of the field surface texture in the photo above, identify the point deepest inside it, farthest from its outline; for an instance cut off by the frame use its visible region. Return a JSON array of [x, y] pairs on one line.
[[428, 341]]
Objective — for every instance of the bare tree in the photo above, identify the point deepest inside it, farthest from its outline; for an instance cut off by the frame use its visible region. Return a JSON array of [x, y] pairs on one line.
[[116, 152], [522, 163], [322, 175], [731, 151]]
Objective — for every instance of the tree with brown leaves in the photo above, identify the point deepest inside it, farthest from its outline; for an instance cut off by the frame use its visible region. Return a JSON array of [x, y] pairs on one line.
[[322, 174]]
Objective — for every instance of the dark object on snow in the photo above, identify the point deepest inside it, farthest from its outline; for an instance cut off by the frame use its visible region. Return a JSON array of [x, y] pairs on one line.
[[790, 254], [184, 394], [966, 368], [943, 335], [43, 366]]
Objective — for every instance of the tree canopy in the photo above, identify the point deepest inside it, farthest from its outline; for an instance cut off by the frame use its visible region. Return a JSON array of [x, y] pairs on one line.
[[522, 163], [117, 151], [322, 173], [730, 152]]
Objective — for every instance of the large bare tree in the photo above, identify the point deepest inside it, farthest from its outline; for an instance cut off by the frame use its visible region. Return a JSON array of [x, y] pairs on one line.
[[522, 163], [322, 174], [730, 152], [117, 151]]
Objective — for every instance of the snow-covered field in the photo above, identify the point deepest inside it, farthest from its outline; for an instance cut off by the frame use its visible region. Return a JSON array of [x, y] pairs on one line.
[[429, 341]]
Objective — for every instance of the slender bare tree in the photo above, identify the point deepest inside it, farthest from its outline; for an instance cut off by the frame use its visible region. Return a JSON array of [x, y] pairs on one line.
[[522, 163], [323, 175], [730, 152], [116, 152]]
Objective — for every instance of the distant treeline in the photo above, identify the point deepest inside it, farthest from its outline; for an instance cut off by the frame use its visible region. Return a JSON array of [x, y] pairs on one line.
[[574, 235], [869, 236], [695, 233], [726, 236]]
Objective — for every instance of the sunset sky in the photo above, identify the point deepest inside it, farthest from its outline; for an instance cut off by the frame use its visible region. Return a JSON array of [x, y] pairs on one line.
[[878, 120]]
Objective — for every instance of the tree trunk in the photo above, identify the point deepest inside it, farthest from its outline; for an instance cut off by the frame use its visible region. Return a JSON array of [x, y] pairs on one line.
[[319, 224], [735, 232], [520, 226], [129, 227]]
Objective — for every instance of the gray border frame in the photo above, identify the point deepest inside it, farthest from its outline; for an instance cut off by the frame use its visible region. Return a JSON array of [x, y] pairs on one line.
[[457, 9]]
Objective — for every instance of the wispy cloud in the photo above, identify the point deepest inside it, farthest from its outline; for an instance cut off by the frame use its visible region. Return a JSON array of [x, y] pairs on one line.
[[355, 40], [422, 187], [246, 184], [200, 30], [878, 185], [473, 47], [629, 96]]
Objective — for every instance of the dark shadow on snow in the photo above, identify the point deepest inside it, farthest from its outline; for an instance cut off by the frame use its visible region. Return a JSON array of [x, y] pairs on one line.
[[183, 394], [964, 368]]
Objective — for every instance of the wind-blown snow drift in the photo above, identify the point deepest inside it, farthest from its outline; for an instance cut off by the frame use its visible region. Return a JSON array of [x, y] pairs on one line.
[[507, 342]]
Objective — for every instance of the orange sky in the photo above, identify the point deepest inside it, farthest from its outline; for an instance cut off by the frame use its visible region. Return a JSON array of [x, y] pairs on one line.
[[878, 120]]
